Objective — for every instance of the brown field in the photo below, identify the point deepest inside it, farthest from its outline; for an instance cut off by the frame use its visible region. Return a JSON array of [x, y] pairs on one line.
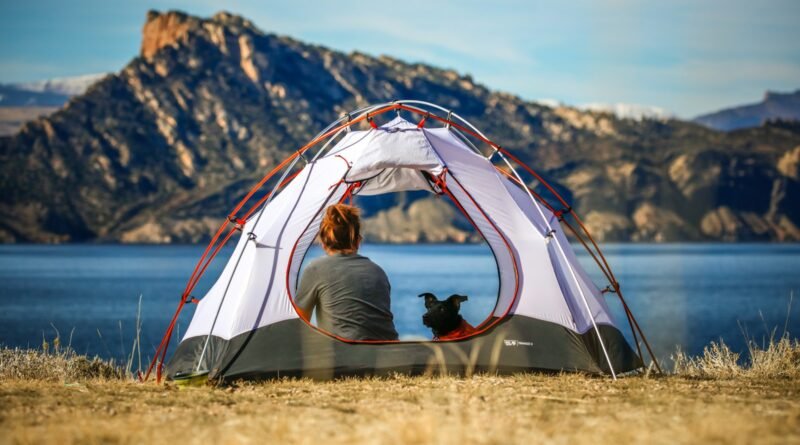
[[12, 118], [483, 409], [712, 400]]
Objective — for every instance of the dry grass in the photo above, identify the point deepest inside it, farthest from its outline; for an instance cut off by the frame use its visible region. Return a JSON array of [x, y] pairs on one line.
[[54, 363], [711, 399], [12, 118], [773, 359], [527, 408], [778, 359], [60, 366]]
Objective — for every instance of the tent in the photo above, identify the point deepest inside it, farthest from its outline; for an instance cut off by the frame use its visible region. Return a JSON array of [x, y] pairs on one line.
[[549, 315]]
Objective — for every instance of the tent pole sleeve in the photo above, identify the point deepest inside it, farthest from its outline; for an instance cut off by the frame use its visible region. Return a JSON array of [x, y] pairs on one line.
[[584, 229], [602, 265], [330, 130], [236, 265], [569, 266], [476, 133], [586, 305], [219, 308], [271, 195]]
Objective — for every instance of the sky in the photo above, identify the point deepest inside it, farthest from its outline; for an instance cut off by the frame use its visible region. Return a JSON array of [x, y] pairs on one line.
[[688, 57]]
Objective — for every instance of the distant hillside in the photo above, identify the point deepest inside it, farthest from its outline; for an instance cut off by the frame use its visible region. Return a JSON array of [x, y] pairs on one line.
[[23, 102], [780, 106], [13, 118], [66, 86], [159, 151], [13, 96]]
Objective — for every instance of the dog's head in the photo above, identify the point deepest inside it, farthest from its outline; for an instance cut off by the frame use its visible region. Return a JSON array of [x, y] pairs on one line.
[[442, 315]]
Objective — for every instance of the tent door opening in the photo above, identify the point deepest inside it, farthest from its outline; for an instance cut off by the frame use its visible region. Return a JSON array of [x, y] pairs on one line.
[[436, 185]]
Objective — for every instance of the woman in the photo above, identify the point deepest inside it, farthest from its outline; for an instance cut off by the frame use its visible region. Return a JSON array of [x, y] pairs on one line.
[[349, 292]]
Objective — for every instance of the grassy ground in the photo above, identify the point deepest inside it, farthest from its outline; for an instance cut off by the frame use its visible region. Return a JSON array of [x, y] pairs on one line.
[[482, 409], [712, 400]]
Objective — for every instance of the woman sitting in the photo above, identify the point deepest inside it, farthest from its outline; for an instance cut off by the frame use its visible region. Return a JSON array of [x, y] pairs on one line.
[[349, 292]]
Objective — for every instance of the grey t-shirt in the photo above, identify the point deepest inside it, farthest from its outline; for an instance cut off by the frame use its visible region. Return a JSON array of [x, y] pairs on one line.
[[351, 296]]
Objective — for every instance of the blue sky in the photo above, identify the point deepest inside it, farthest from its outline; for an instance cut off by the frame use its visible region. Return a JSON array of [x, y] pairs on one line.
[[688, 57]]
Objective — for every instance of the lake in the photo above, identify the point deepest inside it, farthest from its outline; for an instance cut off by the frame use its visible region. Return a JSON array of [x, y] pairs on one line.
[[682, 294]]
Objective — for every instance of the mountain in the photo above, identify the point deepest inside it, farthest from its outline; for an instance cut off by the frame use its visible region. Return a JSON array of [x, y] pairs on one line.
[[23, 102], [13, 118], [774, 106], [19, 106], [161, 150], [46, 93], [12, 96]]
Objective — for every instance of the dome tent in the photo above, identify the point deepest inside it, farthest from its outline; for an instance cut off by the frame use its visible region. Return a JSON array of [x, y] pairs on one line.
[[548, 316]]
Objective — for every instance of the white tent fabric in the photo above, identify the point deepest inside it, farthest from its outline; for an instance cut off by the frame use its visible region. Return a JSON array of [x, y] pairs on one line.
[[537, 279]]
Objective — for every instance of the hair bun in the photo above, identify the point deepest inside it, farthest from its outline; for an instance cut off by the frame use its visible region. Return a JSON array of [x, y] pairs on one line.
[[340, 230]]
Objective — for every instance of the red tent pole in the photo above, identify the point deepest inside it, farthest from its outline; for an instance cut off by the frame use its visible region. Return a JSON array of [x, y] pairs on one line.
[[205, 260], [558, 196], [611, 276]]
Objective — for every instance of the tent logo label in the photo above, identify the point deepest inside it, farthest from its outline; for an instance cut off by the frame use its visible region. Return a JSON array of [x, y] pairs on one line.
[[517, 343]]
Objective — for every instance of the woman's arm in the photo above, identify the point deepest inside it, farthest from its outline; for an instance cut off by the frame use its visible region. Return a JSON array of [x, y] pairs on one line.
[[307, 295]]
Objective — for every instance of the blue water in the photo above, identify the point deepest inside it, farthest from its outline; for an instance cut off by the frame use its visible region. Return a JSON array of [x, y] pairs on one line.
[[682, 294]]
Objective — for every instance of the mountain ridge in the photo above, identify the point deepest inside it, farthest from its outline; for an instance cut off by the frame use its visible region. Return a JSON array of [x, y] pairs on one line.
[[774, 106], [159, 151], [25, 101], [66, 86]]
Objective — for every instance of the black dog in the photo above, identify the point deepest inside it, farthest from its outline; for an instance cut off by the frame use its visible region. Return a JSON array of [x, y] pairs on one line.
[[443, 317]]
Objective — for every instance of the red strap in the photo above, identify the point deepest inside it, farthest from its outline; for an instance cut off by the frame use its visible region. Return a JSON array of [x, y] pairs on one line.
[[422, 121], [348, 194], [336, 184], [560, 213], [439, 180], [345, 161], [372, 123], [238, 223]]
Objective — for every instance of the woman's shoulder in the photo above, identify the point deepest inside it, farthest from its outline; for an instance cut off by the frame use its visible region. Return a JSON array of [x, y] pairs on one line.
[[318, 262], [354, 260], [371, 264], [326, 261]]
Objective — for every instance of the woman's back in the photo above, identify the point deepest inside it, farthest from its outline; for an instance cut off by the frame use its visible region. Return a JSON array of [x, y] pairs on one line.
[[351, 297]]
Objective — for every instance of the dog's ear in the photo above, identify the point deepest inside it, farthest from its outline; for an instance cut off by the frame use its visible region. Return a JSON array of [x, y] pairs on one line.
[[456, 300], [429, 299]]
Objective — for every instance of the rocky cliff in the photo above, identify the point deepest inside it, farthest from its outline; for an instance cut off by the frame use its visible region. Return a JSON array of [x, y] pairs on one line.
[[159, 151]]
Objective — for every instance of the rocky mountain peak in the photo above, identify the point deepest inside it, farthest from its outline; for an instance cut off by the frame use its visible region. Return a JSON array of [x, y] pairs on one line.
[[233, 20], [170, 28], [164, 29]]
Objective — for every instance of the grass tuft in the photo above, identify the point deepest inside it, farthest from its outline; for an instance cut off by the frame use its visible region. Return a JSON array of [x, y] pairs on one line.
[[59, 365], [777, 359]]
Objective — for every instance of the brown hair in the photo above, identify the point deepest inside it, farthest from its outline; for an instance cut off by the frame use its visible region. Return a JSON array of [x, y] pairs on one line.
[[340, 230]]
